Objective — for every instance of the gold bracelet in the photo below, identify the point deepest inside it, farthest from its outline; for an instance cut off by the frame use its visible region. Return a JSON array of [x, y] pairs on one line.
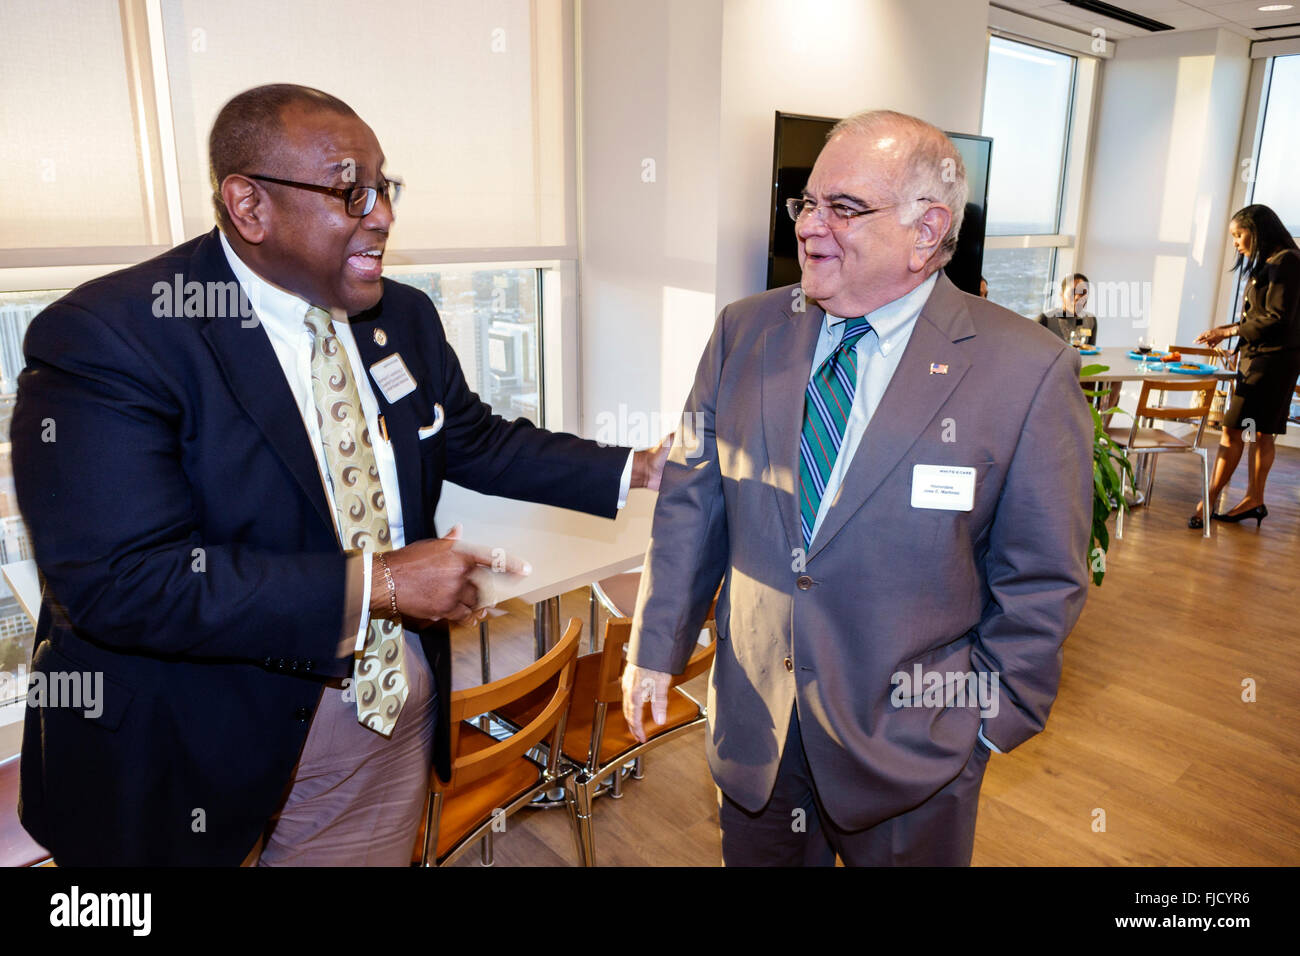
[[388, 578]]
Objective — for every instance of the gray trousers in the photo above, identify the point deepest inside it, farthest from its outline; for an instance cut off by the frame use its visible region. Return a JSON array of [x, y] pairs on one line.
[[793, 829], [356, 797]]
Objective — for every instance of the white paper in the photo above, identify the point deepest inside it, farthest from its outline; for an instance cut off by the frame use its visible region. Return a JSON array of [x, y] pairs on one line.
[[393, 379], [945, 487]]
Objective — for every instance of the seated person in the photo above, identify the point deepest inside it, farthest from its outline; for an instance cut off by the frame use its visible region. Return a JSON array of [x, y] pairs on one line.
[[1071, 313]]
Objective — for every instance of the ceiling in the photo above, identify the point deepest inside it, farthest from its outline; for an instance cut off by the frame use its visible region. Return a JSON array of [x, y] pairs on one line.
[[1236, 16]]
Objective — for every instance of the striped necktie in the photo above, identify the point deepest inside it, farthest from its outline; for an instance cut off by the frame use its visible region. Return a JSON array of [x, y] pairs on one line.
[[827, 403], [380, 679]]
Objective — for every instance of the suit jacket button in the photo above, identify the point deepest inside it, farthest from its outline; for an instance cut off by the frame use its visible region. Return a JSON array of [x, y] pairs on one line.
[[301, 714], [269, 663], [308, 665], [280, 664], [803, 583], [789, 664]]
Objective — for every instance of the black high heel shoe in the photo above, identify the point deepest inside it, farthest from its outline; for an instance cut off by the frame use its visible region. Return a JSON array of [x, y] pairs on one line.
[[1259, 513]]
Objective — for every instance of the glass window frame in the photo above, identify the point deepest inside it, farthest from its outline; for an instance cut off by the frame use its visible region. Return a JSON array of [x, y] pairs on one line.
[[1071, 195]]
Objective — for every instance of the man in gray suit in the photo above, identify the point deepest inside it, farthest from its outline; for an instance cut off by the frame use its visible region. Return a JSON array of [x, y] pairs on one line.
[[892, 480]]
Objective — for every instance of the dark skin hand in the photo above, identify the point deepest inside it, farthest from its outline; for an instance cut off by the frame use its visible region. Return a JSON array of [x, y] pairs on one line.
[[648, 465], [432, 580]]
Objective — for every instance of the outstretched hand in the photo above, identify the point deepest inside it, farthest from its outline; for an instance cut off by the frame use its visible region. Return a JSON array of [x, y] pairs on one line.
[[648, 465]]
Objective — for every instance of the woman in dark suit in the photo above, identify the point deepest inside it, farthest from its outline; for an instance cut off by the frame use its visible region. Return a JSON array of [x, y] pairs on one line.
[[1269, 351]]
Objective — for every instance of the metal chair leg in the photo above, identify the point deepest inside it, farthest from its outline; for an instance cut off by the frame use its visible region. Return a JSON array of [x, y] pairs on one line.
[[594, 614], [638, 769], [432, 819], [1205, 489], [1119, 513], [581, 785], [616, 784], [484, 652], [1151, 480]]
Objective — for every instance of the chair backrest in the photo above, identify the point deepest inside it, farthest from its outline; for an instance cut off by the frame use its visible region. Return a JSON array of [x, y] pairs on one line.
[[557, 665], [1227, 360], [618, 631], [1205, 386], [1195, 414]]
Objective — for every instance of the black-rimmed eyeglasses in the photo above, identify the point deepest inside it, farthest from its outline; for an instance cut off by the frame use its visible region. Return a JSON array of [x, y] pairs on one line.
[[359, 201]]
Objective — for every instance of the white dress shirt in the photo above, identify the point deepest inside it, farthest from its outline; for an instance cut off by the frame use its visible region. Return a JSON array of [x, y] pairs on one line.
[[282, 315], [879, 352]]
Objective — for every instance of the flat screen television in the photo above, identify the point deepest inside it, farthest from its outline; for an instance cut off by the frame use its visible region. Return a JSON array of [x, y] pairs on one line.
[[798, 141]]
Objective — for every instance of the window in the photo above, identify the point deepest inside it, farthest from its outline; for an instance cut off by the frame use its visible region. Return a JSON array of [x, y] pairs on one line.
[[1276, 185], [1035, 106], [107, 107], [491, 318]]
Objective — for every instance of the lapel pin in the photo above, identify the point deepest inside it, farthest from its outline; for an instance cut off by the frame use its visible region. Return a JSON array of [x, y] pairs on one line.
[[937, 369], [381, 337]]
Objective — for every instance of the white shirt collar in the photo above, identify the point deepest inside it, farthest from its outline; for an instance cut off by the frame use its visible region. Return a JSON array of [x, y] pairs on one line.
[[278, 309]]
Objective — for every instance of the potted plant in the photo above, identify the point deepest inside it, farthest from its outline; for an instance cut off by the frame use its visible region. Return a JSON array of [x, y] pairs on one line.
[[1109, 465]]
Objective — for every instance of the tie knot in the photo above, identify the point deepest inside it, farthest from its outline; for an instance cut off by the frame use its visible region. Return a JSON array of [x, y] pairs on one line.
[[854, 329], [318, 321]]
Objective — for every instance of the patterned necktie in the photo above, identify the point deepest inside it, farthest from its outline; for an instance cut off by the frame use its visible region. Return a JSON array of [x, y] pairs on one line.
[[379, 681], [827, 403]]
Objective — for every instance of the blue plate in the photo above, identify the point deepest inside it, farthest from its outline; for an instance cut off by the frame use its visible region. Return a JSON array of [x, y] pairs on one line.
[[1089, 351], [1154, 355], [1200, 369]]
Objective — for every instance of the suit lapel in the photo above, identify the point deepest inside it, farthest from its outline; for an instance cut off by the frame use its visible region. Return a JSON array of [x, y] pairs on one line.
[[254, 375], [788, 350], [400, 416], [912, 399]]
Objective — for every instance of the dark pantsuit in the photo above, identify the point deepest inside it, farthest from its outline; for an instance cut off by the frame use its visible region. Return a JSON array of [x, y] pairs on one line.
[[939, 832]]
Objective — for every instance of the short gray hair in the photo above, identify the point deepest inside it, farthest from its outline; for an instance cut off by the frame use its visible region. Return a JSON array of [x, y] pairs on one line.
[[932, 167]]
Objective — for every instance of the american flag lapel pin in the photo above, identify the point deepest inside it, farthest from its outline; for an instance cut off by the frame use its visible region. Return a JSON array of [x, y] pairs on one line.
[[937, 369]]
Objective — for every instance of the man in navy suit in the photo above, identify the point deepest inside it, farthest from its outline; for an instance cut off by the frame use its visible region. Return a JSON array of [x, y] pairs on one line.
[[168, 459]]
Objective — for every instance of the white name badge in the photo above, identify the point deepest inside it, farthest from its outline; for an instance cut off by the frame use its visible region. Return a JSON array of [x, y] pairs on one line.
[[392, 378], [946, 487]]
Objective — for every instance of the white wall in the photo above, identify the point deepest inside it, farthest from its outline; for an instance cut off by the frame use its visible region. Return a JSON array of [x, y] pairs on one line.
[[693, 84], [648, 108], [831, 58], [1164, 162]]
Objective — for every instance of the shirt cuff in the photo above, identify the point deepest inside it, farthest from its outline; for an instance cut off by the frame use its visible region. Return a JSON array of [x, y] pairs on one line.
[[356, 606], [988, 743], [625, 483]]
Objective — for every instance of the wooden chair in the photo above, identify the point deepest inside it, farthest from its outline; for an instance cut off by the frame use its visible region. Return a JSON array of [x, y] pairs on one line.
[[598, 738], [617, 595], [1139, 440], [16, 847], [492, 778], [1214, 356]]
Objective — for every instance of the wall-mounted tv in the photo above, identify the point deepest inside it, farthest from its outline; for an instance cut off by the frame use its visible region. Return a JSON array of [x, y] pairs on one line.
[[798, 141]]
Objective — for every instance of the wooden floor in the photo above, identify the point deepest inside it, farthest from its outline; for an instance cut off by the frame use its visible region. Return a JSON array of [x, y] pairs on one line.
[[1149, 735]]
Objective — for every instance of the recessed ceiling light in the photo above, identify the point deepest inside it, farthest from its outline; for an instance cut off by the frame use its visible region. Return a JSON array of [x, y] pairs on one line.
[[1275, 7]]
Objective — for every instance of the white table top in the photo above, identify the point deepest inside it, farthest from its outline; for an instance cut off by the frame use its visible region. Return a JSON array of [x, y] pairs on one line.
[[1125, 369], [23, 581], [567, 549]]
